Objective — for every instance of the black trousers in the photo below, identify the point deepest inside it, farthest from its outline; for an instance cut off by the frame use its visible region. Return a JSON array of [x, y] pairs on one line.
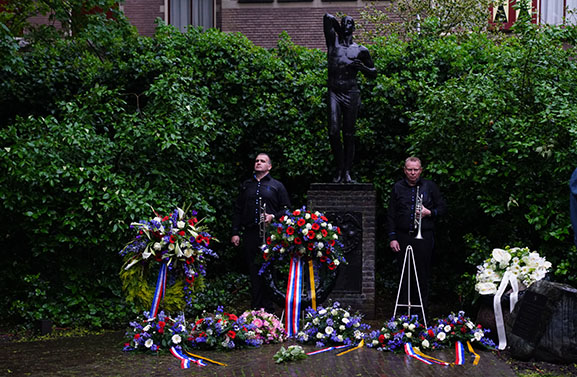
[[260, 294], [423, 253]]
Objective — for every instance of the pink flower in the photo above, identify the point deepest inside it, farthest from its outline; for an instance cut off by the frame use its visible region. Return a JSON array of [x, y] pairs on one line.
[[257, 322]]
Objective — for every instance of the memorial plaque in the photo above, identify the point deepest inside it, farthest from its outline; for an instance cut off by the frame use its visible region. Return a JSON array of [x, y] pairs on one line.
[[350, 274], [531, 312]]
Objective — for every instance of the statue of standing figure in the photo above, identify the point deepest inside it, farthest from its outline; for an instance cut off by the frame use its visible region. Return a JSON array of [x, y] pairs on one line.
[[345, 59]]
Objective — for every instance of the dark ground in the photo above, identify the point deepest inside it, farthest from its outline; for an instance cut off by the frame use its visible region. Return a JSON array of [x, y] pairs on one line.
[[101, 355]]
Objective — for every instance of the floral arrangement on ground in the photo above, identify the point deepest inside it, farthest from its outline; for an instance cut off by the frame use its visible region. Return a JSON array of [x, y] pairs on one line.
[[332, 325], [444, 333], [219, 330], [303, 233], [177, 241], [528, 266]]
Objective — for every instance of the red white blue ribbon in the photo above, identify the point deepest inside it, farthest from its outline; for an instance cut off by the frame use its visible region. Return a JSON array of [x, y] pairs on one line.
[[159, 291], [293, 296], [411, 352], [185, 361], [459, 353], [328, 349]]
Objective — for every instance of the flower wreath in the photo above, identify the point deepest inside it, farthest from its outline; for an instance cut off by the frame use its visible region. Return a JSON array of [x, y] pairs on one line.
[[177, 241], [307, 234]]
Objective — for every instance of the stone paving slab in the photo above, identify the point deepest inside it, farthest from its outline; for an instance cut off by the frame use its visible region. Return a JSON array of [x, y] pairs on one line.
[[102, 356]]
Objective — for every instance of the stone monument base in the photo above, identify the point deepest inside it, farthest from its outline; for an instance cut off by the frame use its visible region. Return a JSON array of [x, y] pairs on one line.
[[352, 207]]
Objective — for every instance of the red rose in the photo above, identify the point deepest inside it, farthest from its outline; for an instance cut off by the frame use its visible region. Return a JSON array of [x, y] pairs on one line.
[[338, 230], [199, 238], [381, 338], [268, 240], [232, 317], [181, 233], [296, 212], [310, 245], [332, 266], [298, 241], [315, 226], [311, 234], [324, 218], [301, 222], [231, 334], [161, 324], [290, 230], [136, 336], [323, 259], [313, 216], [165, 218], [324, 232], [332, 242]]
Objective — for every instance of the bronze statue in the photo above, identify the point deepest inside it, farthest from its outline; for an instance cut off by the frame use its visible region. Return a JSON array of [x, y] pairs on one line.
[[345, 59]]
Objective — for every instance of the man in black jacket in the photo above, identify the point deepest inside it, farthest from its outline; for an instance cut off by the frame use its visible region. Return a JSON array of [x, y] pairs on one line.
[[263, 189], [403, 226]]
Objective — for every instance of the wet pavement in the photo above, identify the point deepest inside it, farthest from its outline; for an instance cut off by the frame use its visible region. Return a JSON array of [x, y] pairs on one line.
[[102, 355]]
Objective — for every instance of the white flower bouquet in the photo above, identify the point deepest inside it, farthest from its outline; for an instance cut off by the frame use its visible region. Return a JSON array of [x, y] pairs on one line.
[[528, 266]]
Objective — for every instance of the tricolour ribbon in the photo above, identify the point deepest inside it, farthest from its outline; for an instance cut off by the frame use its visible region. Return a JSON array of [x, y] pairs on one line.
[[312, 283], [327, 349], [411, 352], [185, 361], [159, 291], [459, 353], [293, 296], [508, 277]]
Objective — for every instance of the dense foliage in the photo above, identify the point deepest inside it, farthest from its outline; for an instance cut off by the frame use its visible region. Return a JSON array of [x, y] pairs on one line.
[[97, 127]]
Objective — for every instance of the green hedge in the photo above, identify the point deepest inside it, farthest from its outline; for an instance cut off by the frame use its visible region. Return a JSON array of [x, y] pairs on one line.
[[97, 128]]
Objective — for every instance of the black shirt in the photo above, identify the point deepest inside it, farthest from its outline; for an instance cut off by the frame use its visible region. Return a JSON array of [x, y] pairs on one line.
[[401, 212], [246, 211]]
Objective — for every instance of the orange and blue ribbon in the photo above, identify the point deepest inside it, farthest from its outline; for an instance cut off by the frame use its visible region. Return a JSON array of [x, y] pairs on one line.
[[293, 296]]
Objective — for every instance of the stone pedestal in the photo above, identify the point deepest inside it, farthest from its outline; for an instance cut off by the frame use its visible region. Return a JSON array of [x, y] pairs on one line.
[[352, 207]]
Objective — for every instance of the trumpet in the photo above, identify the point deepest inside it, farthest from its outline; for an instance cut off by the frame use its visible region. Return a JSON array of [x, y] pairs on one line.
[[262, 219], [418, 214]]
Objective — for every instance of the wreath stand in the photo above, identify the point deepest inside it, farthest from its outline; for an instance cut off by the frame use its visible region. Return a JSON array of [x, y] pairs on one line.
[[409, 262]]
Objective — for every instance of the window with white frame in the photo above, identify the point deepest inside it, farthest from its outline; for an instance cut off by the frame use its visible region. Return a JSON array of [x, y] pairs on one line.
[[191, 12]]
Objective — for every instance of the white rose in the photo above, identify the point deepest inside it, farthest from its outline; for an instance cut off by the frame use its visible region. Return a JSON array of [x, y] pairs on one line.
[[319, 335], [412, 326], [408, 334], [345, 320], [447, 328], [329, 330], [375, 342], [342, 327], [425, 343], [322, 312], [441, 336], [170, 246], [157, 246], [340, 338], [334, 312], [316, 321], [304, 231], [478, 335], [307, 216], [319, 254], [176, 339], [149, 342], [180, 224], [336, 262], [321, 246]]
